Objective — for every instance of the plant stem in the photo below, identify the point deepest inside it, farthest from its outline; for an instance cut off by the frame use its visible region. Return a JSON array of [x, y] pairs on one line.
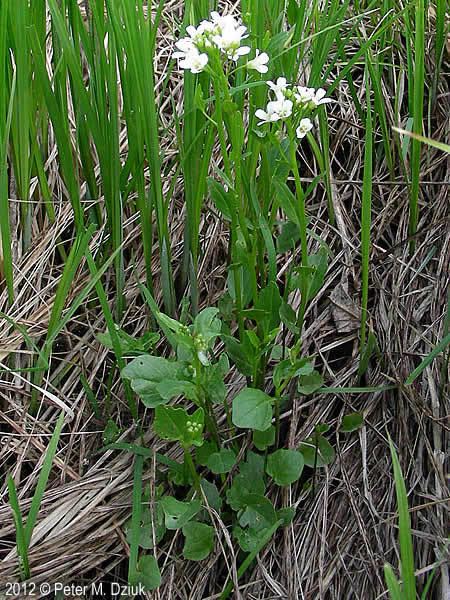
[[302, 221], [190, 463]]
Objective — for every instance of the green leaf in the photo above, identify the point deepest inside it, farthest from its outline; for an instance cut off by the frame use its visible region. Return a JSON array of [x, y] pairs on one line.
[[129, 344], [111, 432], [199, 542], [259, 513], [288, 317], [241, 488], [308, 384], [147, 573], [176, 424], [367, 351], [176, 387], [288, 369], [269, 303], [252, 409], [317, 451], [208, 325], [253, 466], [428, 359], [314, 274], [146, 527], [288, 238], [214, 384], [395, 591], [243, 354], [246, 538], [320, 263], [404, 527], [221, 198], [177, 513], [352, 422], [146, 372], [285, 466], [222, 461], [203, 453], [264, 439], [212, 495], [286, 515]]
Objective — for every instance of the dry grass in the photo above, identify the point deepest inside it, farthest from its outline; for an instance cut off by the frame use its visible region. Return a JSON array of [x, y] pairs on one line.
[[345, 528]]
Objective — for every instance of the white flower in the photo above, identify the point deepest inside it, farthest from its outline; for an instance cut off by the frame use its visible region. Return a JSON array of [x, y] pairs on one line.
[[319, 97], [276, 110], [229, 41], [280, 87], [283, 108], [303, 128], [259, 63], [184, 45], [221, 22], [192, 60], [304, 95]]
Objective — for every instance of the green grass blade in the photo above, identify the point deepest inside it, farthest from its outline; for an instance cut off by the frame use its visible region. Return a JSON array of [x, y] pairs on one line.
[[6, 262], [405, 535], [395, 591], [425, 140], [418, 101], [443, 344], [22, 546]]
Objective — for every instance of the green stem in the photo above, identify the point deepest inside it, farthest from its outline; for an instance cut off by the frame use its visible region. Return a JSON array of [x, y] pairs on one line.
[[277, 418], [190, 463], [302, 221], [221, 132], [204, 401]]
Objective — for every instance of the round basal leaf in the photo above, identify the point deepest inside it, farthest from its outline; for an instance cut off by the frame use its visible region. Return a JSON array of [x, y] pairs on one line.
[[286, 515], [264, 439], [252, 409], [177, 513], [352, 422], [259, 513], [249, 539], [285, 466], [147, 573], [199, 542], [221, 462], [151, 522], [203, 453], [212, 495], [317, 451], [308, 384]]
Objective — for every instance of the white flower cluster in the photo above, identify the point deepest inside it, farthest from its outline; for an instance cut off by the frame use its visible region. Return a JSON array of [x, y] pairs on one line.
[[289, 100], [223, 33]]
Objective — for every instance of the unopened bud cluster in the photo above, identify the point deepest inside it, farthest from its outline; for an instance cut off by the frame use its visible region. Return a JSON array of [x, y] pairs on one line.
[[200, 343], [193, 428]]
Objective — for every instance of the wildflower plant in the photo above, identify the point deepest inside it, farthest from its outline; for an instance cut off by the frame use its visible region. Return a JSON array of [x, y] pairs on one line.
[[258, 149]]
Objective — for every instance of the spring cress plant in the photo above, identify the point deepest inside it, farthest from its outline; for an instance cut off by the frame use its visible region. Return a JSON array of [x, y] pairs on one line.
[[211, 480]]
